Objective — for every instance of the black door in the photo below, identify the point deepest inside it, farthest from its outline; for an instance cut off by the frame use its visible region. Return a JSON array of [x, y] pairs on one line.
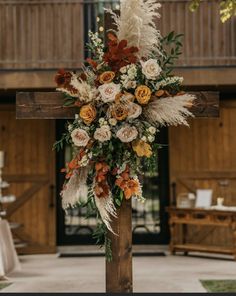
[[150, 222]]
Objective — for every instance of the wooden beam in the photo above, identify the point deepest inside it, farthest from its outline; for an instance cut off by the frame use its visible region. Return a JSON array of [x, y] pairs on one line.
[[46, 105], [119, 276], [49, 105]]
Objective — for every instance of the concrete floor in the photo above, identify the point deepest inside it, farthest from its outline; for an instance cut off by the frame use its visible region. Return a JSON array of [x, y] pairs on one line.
[[48, 273]]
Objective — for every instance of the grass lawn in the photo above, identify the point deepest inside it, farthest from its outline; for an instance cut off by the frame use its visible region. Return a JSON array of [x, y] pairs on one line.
[[219, 285]]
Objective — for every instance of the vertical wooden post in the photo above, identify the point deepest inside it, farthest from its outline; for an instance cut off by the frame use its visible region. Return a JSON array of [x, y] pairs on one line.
[[119, 274]]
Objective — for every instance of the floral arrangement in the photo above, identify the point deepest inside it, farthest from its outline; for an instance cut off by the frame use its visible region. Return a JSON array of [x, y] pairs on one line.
[[124, 95]]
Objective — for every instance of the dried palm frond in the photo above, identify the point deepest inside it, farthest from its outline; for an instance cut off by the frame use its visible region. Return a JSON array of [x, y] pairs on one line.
[[169, 111], [106, 210], [136, 24], [86, 92], [76, 190]]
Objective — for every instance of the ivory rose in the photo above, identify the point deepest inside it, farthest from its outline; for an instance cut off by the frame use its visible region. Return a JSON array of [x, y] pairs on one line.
[[88, 113], [127, 133], [106, 77], [103, 134], [143, 94], [80, 137], [135, 110], [151, 69], [109, 91]]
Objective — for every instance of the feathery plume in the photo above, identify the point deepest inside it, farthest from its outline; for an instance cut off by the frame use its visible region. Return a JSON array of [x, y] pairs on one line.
[[76, 190], [136, 24], [170, 110]]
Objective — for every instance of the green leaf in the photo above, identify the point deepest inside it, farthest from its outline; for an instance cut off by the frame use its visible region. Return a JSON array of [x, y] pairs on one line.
[[170, 36], [69, 103]]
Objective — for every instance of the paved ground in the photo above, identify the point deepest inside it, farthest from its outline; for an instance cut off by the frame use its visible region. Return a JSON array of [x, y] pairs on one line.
[[48, 273]]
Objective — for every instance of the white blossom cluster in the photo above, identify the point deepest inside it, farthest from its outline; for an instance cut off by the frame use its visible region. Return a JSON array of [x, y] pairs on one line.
[[128, 77], [97, 43], [169, 80]]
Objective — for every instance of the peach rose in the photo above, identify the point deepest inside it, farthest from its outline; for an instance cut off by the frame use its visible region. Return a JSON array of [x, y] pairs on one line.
[[106, 77], [142, 148], [88, 113], [127, 133], [143, 94], [80, 137], [119, 111]]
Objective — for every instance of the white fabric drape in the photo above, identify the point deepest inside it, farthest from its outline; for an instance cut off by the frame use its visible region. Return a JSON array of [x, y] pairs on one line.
[[8, 258]]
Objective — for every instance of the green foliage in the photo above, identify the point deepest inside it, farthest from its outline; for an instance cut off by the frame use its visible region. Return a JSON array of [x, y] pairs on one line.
[[58, 145], [227, 8], [69, 101], [171, 46], [100, 235]]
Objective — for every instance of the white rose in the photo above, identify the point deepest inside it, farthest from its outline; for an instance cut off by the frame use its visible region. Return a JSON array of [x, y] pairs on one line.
[[135, 111], [109, 91], [151, 69], [127, 133], [80, 137], [152, 130], [113, 121], [102, 134], [151, 139]]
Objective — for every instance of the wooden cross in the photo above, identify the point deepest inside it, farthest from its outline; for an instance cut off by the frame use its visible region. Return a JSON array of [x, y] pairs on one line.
[[49, 105]]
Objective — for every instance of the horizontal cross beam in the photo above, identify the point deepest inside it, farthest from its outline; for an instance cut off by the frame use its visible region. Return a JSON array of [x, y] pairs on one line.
[[49, 105]]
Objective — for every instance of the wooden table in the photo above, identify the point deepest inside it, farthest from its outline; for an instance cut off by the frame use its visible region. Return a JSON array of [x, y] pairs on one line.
[[200, 217]]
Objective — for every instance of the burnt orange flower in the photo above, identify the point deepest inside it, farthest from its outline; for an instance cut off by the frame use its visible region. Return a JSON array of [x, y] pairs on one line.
[[88, 113], [143, 94], [132, 188], [101, 187], [63, 80], [106, 77], [92, 63], [119, 111], [129, 186], [119, 54]]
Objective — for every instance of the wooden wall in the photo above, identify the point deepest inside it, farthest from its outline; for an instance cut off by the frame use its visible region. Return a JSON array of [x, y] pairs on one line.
[[41, 34], [207, 41], [30, 170], [203, 156]]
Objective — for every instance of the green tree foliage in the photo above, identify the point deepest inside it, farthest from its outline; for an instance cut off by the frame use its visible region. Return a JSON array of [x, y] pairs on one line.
[[227, 8]]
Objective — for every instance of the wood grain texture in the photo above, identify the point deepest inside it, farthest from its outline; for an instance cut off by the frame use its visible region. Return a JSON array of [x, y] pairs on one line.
[[49, 105], [203, 157], [119, 276], [200, 218], [29, 168]]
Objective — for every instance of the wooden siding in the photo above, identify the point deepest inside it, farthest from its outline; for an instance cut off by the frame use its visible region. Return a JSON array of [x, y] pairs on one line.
[[41, 34], [30, 170], [207, 42], [203, 156]]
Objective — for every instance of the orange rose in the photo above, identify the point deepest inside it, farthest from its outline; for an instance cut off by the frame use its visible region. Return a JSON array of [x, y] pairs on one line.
[[143, 94], [106, 77], [142, 148], [88, 113], [119, 111]]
